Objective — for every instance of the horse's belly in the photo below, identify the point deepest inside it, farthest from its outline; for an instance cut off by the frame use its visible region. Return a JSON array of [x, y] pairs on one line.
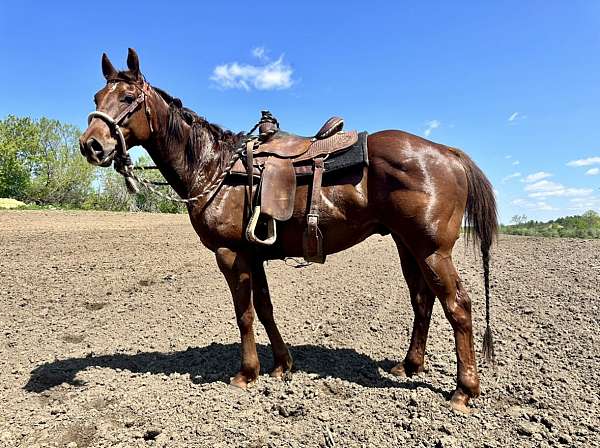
[[344, 218]]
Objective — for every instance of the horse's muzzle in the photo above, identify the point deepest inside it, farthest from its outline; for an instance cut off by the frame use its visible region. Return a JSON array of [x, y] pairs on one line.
[[95, 153]]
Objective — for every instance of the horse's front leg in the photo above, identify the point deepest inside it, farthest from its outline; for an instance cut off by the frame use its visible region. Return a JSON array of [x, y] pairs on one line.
[[237, 269], [264, 309]]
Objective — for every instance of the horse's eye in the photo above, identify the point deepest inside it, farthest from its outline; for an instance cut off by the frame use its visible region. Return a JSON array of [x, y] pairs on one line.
[[128, 99]]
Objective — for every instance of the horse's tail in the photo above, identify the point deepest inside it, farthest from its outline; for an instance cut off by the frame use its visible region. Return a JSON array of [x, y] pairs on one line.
[[481, 221]]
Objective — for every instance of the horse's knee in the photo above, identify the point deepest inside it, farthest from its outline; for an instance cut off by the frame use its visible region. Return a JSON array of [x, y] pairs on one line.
[[225, 259], [245, 320]]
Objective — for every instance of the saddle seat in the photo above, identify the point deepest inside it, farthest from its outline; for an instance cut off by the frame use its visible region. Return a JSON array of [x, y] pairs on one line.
[[285, 145]]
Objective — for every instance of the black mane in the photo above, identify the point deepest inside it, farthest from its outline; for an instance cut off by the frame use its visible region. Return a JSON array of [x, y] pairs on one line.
[[197, 152]]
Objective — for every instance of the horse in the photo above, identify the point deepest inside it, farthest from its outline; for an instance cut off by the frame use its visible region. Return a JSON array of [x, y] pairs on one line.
[[414, 189]]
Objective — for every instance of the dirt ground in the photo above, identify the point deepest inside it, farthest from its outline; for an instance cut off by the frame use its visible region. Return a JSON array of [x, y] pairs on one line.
[[118, 330]]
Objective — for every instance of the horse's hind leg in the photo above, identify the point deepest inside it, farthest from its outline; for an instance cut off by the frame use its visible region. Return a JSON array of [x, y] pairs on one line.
[[422, 299], [237, 269], [443, 279], [264, 311]]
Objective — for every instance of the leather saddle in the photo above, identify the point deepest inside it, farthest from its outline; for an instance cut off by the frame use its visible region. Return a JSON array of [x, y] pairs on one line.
[[276, 159]]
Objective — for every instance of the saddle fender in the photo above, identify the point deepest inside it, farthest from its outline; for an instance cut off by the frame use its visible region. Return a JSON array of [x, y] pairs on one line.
[[278, 188]]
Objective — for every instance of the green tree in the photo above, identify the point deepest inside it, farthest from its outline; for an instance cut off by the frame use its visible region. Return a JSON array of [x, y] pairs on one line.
[[113, 194], [18, 143], [518, 219], [40, 162], [60, 175]]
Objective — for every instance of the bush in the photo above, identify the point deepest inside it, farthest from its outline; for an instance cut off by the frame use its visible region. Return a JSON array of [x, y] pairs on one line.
[[584, 226]]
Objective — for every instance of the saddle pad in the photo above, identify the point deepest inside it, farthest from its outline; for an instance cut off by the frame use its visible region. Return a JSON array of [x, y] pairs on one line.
[[357, 154], [278, 188]]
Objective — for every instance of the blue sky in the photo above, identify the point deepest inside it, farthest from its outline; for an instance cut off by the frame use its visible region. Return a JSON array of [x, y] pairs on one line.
[[515, 84]]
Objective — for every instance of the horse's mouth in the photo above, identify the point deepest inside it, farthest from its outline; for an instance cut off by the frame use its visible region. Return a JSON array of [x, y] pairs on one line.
[[104, 162], [107, 160]]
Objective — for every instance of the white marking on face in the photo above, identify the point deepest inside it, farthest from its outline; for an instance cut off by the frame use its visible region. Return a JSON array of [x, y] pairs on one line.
[[114, 86]]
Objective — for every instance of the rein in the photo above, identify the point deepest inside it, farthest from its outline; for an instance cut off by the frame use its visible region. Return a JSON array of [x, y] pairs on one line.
[[124, 166]]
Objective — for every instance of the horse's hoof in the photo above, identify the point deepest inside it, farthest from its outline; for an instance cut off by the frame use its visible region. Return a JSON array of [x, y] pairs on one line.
[[241, 382], [399, 370], [402, 371], [278, 372], [282, 371], [459, 402]]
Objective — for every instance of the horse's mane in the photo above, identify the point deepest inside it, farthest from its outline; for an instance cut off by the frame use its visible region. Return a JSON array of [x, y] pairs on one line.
[[197, 147]]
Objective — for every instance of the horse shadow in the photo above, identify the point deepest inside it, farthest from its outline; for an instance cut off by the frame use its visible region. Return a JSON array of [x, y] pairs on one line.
[[216, 362]]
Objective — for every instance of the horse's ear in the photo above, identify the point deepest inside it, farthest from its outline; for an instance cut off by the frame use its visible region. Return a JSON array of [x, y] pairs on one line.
[[108, 70], [133, 63]]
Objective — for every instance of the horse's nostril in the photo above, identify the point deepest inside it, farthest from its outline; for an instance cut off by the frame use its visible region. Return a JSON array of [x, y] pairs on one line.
[[96, 147]]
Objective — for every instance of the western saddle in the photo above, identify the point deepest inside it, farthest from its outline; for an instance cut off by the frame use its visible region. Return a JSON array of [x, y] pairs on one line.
[[276, 158]]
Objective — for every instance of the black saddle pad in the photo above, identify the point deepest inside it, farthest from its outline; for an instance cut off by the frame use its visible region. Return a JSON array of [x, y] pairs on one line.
[[357, 154]]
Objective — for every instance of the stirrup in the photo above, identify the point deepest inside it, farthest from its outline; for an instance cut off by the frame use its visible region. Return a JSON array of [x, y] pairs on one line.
[[271, 229]]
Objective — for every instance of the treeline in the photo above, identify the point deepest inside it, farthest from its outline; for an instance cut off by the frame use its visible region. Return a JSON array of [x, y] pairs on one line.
[[40, 164], [586, 225]]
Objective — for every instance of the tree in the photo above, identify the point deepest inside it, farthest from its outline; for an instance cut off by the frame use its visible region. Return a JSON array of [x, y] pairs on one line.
[[40, 162], [518, 219], [60, 174], [113, 194], [18, 142]]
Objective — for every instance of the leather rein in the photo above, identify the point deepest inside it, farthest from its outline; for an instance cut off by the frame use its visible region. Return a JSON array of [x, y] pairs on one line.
[[124, 166]]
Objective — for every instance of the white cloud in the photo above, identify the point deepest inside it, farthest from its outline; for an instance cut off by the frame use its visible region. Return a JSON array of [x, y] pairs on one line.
[[259, 53], [584, 204], [546, 188], [534, 177], [508, 156], [274, 75], [431, 125], [516, 116], [511, 176], [516, 162], [533, 205], [585, 162], [592, 172]]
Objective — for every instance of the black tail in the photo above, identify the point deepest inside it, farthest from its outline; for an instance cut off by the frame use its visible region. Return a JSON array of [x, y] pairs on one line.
[[481, 220]]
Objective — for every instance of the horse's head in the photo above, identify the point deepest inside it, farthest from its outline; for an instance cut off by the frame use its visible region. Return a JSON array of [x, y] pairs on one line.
[[122, 116]]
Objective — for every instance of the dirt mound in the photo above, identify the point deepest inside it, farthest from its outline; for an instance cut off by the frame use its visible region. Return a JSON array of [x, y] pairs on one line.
[[118, 330]]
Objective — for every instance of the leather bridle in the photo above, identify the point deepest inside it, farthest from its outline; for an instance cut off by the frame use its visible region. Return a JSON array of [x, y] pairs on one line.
[[114, 123]]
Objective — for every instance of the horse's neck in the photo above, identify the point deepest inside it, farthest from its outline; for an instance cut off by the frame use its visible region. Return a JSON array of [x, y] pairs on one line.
[[169, 155]]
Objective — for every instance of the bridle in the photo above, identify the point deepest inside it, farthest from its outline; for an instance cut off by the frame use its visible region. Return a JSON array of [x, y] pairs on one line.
[[124, 166], [114, 123]]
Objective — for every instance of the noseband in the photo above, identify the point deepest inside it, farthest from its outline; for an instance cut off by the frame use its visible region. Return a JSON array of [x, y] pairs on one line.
[[114, 123]]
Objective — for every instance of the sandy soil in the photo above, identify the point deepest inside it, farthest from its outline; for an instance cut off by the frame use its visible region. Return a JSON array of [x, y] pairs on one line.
[[118, 330]]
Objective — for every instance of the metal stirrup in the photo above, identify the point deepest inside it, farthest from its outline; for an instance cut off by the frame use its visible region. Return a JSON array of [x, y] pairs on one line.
[[271, 229]]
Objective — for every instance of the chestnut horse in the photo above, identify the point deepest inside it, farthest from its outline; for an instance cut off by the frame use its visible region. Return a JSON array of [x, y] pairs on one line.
[[416, 190]]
